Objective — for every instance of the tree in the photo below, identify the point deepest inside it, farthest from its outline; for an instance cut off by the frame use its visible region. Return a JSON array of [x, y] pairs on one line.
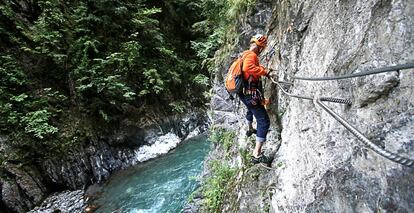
[[86, 60]]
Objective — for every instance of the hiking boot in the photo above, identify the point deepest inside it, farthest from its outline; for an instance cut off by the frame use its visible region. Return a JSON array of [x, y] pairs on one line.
[[250, 132], [261, 159]]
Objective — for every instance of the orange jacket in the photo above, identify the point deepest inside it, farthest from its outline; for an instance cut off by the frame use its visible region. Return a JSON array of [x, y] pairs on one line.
[[251, 66]]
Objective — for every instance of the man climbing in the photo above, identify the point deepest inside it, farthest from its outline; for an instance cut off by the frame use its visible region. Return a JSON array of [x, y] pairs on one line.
[[252, 95]]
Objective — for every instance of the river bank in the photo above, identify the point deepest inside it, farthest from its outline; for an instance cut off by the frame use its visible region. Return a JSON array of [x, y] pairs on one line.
[[95, 163], [161, 184]]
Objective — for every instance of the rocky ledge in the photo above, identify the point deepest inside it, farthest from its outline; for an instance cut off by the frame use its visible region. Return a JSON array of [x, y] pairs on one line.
[[68, 201]]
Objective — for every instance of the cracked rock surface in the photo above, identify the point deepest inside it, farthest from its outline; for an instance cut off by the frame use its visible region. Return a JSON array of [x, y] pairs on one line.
[[320, 166]]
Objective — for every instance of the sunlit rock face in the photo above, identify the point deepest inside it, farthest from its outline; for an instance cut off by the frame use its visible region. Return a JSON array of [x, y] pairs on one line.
[[325, 167], [320, 166]]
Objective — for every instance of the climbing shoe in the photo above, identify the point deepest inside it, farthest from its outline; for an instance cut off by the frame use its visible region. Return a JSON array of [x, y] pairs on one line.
[[261, 159], [250, 132]]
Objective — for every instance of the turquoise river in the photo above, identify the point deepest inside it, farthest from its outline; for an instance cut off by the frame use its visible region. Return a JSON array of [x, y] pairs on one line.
[[160, 185]]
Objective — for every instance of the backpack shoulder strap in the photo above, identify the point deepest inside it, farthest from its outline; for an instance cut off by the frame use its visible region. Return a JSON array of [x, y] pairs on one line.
[[241, 64], [243, 56]]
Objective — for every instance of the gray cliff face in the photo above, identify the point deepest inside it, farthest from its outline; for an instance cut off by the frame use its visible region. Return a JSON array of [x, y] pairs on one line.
[[320, 166], [325, 167], [24, 187]]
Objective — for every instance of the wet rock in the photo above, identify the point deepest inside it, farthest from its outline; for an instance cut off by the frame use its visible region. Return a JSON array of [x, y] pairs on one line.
[[21, 188], [158, 147], [68, 201], [12, 198], [195, 204], [90, 208]]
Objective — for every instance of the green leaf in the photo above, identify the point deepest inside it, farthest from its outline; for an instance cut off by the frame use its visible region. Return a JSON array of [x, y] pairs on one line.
[[37, 123], [201, 79], [19, 98], [129, 95]]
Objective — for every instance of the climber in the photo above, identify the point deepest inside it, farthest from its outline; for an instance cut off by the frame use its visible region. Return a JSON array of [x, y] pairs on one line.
[[252, 96]]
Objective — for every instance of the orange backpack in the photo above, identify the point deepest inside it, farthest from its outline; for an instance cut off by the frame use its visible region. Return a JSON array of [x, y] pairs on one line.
[[234, 80]]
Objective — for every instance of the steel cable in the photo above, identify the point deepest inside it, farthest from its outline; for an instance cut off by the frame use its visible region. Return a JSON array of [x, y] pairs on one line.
[[359, 74], [337, 100], [329, 99], [389, 155]]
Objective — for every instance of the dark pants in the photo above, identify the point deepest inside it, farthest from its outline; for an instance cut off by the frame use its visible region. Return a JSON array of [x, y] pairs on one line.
[[260, 114]]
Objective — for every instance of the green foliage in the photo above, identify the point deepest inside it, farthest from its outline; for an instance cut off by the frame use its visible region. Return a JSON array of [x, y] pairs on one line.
[[153, 82], [206, 48], [228, 139], [281, 112], [221, 175], [280, 164], [37, 123], [219, 182], [178, 106], [223, 137], [190, 198], [246, 157], [237, 7], [266, 208], [193, 194], [218, 26], [65, 60], [201, 80], [23, 109], [112, 51]]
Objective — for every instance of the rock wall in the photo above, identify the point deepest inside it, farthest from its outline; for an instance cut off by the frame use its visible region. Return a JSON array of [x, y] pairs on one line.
[[23, 187], [320, 166]]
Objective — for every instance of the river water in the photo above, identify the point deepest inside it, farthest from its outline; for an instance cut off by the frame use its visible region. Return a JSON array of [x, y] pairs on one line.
[[160, 185]]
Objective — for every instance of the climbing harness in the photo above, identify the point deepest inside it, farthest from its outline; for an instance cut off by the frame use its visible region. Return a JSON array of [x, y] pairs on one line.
[[319, 101]]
